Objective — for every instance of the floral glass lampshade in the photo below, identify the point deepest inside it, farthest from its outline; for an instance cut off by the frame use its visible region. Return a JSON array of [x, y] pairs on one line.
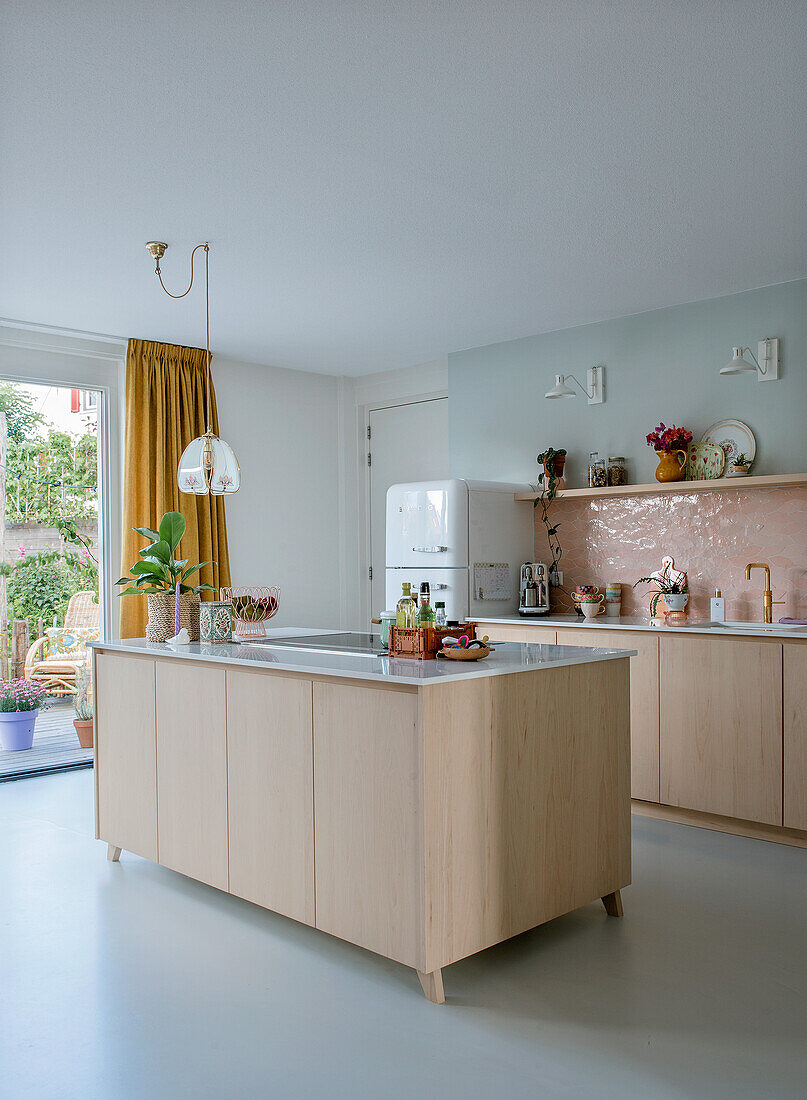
[[208, 465]]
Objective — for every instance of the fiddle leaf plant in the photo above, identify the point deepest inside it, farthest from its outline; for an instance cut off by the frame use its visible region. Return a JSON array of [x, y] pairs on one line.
[[157, 569]]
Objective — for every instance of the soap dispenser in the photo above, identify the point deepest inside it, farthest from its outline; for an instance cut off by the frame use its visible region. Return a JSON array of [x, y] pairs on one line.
[[717, 608]]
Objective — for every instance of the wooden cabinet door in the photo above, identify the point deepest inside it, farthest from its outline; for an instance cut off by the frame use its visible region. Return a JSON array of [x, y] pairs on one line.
[[644, 700], [125, 753], [270, 782], [192, 771], [795, 735], [721, 726], [367, 808], [515, 632]]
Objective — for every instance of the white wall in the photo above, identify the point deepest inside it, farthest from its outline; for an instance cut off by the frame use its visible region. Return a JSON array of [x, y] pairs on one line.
[[284, 523], [661, 365]]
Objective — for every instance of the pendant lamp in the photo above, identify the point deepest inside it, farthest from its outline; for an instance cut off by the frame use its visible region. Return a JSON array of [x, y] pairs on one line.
[[208, 464]]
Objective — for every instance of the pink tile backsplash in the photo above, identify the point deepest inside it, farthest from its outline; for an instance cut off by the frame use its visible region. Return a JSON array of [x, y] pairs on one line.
[[711, 535]]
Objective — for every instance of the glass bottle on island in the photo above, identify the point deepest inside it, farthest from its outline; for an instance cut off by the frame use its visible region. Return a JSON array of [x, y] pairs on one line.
[[440, 614], [407, 609], [426, 613]]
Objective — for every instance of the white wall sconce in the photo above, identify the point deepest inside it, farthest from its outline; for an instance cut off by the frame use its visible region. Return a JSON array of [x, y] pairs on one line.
[[766, 366], [596, 386]]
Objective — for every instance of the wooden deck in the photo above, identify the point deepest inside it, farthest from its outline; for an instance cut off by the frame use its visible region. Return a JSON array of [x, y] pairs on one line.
[[55, 747]]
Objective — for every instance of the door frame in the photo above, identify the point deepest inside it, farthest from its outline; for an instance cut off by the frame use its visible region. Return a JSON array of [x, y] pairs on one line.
[[365, 445], [104, 373]]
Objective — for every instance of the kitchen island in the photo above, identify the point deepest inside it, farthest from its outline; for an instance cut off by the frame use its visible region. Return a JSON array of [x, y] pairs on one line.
[[422, 810]]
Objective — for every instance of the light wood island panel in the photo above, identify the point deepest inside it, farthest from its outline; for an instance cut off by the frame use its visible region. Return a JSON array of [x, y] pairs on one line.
[[367, 768], [126, 763], [423, 822], [526, 780], [192, 771], [271, 792]]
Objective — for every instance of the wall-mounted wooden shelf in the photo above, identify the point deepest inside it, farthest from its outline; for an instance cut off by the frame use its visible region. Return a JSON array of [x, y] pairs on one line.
[[763, 481]]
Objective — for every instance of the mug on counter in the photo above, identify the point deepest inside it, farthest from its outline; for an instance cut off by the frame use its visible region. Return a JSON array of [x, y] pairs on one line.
[[591, 606], [613, 592]]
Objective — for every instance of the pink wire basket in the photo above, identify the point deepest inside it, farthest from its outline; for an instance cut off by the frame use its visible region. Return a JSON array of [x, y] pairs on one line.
[[252, 608]]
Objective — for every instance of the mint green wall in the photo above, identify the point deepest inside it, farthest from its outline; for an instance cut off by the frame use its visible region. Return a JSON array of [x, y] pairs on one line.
[[661, 365]]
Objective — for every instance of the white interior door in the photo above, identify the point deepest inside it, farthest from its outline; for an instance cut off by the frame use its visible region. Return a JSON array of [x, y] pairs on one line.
[[407, 443]]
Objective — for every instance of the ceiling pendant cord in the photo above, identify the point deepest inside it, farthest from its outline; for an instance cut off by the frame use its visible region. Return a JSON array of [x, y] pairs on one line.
[[208, 464]]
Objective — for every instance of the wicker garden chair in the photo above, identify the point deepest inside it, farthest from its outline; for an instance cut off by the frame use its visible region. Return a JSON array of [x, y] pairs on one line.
[[58, 671]]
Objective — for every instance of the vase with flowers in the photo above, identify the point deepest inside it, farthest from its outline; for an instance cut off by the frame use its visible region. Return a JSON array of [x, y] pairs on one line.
[[670, 444]]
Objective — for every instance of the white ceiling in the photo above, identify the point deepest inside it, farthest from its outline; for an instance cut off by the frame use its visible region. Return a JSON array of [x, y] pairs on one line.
[[385, 182]]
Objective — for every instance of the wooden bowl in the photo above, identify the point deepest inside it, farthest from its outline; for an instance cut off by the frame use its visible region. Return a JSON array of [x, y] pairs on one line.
[[457, 653]]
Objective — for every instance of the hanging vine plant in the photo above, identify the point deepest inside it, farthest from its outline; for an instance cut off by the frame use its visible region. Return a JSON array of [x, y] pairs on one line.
[[548, 485]]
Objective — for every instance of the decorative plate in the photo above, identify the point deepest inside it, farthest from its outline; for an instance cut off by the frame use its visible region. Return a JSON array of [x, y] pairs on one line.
[[734, 437], [705, 462]]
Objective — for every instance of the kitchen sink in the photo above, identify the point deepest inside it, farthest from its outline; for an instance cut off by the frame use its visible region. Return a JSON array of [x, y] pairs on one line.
[[756, 628]]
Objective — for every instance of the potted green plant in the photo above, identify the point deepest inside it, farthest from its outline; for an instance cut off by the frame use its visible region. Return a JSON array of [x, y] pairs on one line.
[[165, 580], [549, 482], [739, 466], [553, 462], [83, 708], [669, 583], [20, 704]]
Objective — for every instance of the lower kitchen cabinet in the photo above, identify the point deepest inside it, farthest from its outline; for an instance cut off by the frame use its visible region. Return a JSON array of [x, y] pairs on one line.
[[369, 855], [721, 726], [270, 781], [192, 771], [795, 736], [126, 763], [644, 700]]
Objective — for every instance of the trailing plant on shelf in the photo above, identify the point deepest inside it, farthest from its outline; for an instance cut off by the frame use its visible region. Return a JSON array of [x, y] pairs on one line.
[[548, 485]]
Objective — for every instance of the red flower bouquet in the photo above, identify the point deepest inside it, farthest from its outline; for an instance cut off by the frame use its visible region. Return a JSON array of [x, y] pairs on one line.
[[667, 439]]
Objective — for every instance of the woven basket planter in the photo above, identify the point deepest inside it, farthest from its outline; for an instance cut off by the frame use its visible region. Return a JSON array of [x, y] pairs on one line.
[[161, 616]]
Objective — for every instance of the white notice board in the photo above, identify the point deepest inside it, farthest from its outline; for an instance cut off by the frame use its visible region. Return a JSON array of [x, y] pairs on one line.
[[492, 580]]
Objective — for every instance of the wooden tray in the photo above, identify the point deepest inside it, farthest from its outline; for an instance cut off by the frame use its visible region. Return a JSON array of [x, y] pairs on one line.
[[422, 645]]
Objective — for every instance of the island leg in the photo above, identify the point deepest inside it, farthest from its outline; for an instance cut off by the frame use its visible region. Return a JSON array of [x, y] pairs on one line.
[[112, 853], [613, 904], [433, 986]]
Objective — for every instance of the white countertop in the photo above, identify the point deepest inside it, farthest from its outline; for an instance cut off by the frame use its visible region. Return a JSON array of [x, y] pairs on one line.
[[639, 622], [509, 657]]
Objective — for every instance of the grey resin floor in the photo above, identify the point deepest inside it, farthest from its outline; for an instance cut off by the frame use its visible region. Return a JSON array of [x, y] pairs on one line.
[[131, 981]]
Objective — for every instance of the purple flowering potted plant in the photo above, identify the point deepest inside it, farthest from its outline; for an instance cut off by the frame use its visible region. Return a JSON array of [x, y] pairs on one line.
[[20, 704]]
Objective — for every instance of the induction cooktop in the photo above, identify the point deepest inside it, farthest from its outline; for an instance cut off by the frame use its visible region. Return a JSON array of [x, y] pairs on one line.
[[346, 642]]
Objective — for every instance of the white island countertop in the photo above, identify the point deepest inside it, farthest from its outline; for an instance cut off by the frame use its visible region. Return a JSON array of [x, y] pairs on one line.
[[641, 622], [508, 657]]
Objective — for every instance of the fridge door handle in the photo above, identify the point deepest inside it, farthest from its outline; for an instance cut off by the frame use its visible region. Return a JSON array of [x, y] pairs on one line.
[[429, 549]]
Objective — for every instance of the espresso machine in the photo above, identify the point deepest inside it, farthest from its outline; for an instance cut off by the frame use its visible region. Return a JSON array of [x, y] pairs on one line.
[[533, 589]]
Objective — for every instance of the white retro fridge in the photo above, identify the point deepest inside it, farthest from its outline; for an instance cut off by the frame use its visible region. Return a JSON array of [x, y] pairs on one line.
[[466, 538]]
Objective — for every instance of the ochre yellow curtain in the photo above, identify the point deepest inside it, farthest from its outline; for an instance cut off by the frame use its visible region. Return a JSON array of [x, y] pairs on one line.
[[165, 410]]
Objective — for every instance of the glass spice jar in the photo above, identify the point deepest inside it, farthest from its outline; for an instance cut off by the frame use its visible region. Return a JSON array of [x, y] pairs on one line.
[[617, 472], [597, 477]]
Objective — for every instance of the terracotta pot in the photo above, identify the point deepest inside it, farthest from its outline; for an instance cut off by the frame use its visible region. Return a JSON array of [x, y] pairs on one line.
[[84, 732], [558, 462], [670, 465], [161, 616]]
